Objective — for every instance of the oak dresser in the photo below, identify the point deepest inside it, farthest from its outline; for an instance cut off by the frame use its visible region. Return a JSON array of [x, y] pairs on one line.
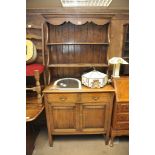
[[83, 111]]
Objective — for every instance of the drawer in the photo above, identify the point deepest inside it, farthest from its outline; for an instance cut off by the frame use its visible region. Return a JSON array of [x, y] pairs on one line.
[[123, 107], [122, 117], [63, 97], [122, 126], [95, 97]]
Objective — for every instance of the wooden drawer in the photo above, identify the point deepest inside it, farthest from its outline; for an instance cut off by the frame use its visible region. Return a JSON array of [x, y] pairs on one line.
[[122, 117], [122, 126], [123, 107], [95, 97], [63, 97]]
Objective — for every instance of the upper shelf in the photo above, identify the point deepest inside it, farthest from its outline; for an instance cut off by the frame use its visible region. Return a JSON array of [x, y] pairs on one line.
[[78, 43]]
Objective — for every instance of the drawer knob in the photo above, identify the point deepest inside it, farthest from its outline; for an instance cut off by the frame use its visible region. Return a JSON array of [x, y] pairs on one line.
[[63, 98], [95, 98]]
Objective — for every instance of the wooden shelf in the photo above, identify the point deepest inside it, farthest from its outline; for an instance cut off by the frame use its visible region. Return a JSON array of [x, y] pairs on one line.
[[29, 26], [33, 36], [77, 43], [78, 65]]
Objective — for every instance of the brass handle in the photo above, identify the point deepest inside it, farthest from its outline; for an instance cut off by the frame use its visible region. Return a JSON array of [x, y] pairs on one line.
[[95, 98], [63, 98]]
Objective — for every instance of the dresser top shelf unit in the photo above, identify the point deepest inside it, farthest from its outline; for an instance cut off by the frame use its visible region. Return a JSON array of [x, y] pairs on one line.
[[71, 50]]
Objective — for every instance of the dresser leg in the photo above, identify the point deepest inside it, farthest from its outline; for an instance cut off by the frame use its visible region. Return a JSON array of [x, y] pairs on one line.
[[111, 141], [50, 138], [106, 139]]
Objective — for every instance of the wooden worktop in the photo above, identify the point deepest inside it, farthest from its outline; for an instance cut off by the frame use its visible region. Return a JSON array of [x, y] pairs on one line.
[[51, 89]]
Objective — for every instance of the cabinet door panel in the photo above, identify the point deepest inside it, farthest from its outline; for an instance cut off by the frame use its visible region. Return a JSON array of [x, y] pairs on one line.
[[93, 116], [64, 117]]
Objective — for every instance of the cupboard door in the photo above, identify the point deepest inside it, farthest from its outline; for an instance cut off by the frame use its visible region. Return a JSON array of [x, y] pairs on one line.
[[64, 117], [93, 117]]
